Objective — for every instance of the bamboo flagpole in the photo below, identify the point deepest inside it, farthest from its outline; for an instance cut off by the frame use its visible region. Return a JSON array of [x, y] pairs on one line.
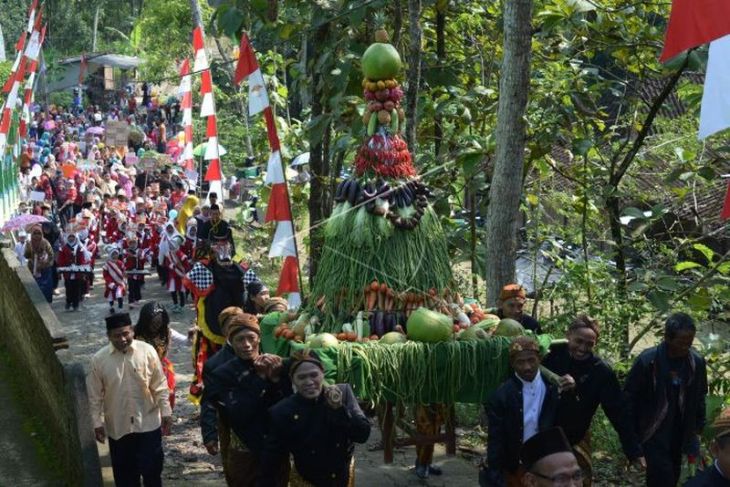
[[279, 210]]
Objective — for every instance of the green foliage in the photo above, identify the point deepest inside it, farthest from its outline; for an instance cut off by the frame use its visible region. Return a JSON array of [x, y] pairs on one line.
[[5, 70], [163, 33]]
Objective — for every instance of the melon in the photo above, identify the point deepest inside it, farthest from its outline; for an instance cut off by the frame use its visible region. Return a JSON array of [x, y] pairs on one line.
[[509, 328], [429, 326], [323, 340], [381, 61], [393, 337], [473, 333], [487, 323]]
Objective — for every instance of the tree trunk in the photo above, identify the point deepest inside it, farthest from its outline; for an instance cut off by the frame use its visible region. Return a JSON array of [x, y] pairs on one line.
[[506, 188], [318, 155], [397, 22], [441, 6], [414, 73], [96, 29], [195, 10]]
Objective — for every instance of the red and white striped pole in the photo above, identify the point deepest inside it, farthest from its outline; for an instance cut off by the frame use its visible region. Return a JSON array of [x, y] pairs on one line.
[[213, 151], [186, 89]]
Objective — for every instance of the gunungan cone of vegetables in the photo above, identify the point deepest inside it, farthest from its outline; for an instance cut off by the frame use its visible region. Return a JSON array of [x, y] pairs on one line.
[[383, 232]]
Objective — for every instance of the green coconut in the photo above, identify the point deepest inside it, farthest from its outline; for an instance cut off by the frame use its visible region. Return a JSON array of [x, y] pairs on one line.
[[488, 323], [509, 328], [393, 337], [429, 326], [381, 61]]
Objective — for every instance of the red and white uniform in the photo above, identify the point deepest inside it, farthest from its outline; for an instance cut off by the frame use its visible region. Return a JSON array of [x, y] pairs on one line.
[[178, 264], [135, 260], [115, 279], [69, 256]]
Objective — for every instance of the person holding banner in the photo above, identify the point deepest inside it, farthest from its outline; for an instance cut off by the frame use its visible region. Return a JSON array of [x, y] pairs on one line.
[[114, 273]]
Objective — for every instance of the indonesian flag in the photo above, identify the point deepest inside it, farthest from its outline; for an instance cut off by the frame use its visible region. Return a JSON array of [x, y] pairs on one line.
[[715, 111], [186, 86], [247, 67], [201, 59], [207, 106], [284, 244], [289, 277], [693, 23], [726, 207]]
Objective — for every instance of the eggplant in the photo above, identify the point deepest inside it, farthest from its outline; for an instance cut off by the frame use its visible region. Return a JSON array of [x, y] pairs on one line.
[[379, 323], [353, 191], [340, 193], [407, 193], [390, 322], [353, 188]]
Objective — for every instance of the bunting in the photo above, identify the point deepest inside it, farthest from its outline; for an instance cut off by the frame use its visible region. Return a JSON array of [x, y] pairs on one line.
[[279, 208], [186, 94], [213, 150], [691, 24], [26, 55]]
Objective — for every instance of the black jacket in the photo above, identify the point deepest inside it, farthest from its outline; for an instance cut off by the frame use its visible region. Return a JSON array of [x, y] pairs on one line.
[[319, 438], [227, 291], [595, 384], [245, 399], [212, 389], [646, 391], [505, 422], [710, 477]]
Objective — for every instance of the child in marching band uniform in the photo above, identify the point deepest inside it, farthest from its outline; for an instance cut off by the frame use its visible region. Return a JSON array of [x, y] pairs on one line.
[[134, 261], [115, 274], [178, 264], [73, 262]]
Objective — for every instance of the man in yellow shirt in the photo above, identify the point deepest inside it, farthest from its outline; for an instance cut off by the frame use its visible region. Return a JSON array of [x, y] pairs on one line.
[[129, 403]]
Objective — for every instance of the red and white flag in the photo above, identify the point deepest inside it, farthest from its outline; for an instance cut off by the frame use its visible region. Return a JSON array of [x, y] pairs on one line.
[[186, 95], [693, 23], [248, 67], [715, 111]]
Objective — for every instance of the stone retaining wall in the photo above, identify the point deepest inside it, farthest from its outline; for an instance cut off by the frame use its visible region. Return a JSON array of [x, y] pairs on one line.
[[55, 385]]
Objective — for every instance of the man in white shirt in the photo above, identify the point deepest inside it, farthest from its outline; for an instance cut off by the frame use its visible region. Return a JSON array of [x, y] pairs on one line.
[[521, 407], [128, 398]]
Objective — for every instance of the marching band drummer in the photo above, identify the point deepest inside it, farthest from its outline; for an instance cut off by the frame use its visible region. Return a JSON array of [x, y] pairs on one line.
[[134, 262], [73, 261]]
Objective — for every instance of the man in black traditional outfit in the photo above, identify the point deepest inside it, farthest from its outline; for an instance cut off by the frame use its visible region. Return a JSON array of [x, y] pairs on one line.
[[666, 391], [523, 405], [586, 382], [317, 425]]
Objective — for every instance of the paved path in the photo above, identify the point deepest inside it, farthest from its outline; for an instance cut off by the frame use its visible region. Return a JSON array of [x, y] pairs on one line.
[[186, 460]]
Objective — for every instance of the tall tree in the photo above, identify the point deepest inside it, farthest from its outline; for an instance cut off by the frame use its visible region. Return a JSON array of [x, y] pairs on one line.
[[319, 135], [510, 136], [414, 72]]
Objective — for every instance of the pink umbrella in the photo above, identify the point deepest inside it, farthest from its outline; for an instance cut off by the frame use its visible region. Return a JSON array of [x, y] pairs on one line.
[[95, 130], [22, 221], [49, 125]]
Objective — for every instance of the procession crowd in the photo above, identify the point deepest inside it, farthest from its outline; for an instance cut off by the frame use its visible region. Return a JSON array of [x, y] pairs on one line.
[[273, 420]]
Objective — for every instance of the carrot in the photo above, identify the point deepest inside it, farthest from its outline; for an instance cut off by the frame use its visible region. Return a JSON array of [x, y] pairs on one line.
[[383, 288], [370, 299], [432, 292], [374, 286]]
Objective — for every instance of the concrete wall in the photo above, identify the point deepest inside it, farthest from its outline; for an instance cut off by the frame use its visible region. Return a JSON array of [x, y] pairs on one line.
[[34, 339]]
